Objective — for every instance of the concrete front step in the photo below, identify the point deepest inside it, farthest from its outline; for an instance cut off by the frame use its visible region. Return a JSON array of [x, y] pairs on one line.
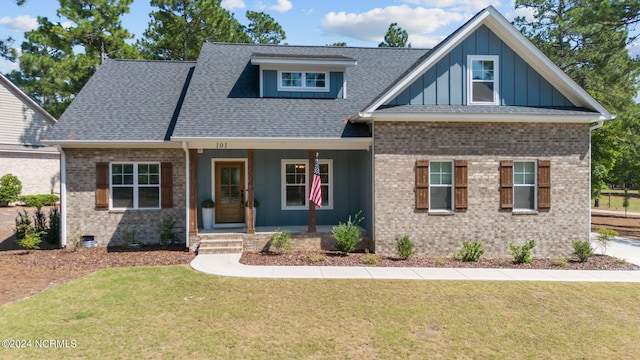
[[220, 246]]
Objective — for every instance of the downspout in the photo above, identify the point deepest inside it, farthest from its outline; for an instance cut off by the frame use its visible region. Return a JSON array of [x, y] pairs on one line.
[[63, 197], [188, 205]]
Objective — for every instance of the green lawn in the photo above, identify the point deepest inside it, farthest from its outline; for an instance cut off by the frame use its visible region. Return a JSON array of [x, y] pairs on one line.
[[175, 312], [616, 203]]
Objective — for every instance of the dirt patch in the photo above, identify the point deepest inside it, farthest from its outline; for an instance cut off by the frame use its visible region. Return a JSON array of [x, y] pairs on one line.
[[626, 226]]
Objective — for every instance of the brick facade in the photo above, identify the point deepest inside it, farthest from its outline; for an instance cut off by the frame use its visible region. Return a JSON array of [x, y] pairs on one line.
[[398, 145], [108, 226]]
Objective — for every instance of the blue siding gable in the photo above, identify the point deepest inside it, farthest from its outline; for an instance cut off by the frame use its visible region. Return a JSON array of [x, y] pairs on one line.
[[445, 82], [270, 87]]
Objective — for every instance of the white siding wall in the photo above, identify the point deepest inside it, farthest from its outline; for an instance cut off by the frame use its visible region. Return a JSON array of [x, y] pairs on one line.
[[20, 123]]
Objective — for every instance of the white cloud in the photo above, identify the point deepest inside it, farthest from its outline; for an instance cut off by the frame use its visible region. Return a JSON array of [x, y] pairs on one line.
[[525, 12], [7, 66], [232, 4], [283, 6], [456, 5], [425, 41], [22, 22], [373, 24]]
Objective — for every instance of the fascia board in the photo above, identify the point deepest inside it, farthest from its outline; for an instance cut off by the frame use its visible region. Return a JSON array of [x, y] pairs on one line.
[[362, 143]]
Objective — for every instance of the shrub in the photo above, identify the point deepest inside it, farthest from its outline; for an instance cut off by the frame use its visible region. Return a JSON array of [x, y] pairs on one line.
[[10, 188], [370, 259], [405, 247], [23, 224], [281, 240], [560, 262], [31, 239], [522, 254], [40, 221], [38, 201], [583, 250], [348, 235], [317, 258], [53, 232], [604, 236], [471, 252], [167, 236]]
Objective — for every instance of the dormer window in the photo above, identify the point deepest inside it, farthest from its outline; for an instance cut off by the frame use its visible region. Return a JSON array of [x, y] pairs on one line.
[[303, 81], [483, 82]]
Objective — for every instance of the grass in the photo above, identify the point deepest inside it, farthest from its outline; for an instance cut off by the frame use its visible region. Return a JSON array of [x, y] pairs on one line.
[[175, 312], [616, 203]]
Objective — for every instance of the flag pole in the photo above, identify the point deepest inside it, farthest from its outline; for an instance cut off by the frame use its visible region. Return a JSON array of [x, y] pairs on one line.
[[312, 205]]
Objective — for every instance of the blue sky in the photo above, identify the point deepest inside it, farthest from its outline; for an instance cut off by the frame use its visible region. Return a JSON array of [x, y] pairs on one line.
[[306, 22]]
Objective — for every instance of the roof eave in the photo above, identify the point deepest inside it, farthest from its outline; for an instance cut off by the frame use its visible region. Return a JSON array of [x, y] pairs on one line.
[[29, 100], [336, 143], [112, 143], [479, 117]]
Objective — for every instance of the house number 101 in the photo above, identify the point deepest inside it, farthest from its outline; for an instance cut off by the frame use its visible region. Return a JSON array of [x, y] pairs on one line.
[[221, 145]]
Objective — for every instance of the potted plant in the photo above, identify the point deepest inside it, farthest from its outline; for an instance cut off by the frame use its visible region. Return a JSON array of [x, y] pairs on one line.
[[207, 213]]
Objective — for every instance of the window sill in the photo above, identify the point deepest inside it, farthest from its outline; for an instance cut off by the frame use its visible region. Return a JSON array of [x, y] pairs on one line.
[[524, 212], [441, 213], [121, 211]]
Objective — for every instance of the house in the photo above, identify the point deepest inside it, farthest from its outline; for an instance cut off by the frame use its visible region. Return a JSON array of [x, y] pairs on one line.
[[482, 139], [24, 123]]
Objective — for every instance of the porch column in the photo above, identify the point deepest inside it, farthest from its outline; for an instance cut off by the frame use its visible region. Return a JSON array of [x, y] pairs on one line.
[[251, 228], [193, 192], [312, 205]]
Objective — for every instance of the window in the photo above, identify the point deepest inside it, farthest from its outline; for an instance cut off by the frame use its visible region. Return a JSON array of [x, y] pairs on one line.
[[483, 80], [303, 81], [441, 185], [524, 185], [296, 184], [135, 185]]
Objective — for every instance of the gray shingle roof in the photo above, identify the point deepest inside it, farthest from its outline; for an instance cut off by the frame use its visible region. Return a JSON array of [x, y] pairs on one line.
[[223, 99], [125, 100]]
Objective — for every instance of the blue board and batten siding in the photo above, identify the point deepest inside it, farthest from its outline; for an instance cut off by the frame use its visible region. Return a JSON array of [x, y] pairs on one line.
[[270, 87], [445, 82], [351, 183]]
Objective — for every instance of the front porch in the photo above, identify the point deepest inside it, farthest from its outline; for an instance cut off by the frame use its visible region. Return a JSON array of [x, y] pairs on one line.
[[301, 239]]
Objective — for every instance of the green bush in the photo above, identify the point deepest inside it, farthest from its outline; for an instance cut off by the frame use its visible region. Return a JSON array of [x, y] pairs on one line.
[[281, 240], [167, 236], [53, 232], [471, 252], [604, 236], [347, 235], [405, 247], [31, 239], [522, 254], [23, 224], [10, 188], [38, 201], [583, 250]]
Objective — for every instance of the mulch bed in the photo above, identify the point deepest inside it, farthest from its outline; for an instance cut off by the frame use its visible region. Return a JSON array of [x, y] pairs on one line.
[[330, 258]]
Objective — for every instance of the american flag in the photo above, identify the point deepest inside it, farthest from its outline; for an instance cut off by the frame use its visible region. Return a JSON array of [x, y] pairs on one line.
[[315, 194]]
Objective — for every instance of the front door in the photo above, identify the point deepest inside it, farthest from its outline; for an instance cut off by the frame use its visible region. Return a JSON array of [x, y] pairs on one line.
[[230, 192]]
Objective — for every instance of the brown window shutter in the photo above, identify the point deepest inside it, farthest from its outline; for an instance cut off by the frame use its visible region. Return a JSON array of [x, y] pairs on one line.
[[102, 185], [544, 184], [422, 184], [166, 181], [506, 184], [461, 202]]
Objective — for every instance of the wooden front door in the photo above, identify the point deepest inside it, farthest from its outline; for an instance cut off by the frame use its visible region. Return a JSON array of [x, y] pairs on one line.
[[230, 192]]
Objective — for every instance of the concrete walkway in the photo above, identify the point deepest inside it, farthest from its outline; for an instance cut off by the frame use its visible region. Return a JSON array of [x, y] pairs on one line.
[[229, 265]]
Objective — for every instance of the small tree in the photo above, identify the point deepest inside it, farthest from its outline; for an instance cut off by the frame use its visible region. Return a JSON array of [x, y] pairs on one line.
[[604, 236], [10, 188], [583, 250], [625, 202], [405, 247]]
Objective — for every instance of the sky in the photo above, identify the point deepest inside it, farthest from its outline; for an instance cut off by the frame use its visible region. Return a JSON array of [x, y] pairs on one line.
[[305, 22]]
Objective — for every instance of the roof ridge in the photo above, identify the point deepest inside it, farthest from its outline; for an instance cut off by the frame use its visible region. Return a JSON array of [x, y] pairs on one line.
[[317, 46], [156, 61]]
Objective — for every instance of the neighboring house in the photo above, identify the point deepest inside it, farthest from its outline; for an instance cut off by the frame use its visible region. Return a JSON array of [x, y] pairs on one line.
[[482, 139], [23, 124]]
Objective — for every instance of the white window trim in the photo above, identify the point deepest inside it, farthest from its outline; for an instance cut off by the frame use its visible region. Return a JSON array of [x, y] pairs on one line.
[[135, 185], [534, 185], [496, 79], [453, 169], [283, 184], [304, 87]]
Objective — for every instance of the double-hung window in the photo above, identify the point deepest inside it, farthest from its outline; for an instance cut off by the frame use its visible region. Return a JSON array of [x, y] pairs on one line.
[[303, 81], [135, 185], [524, 185], [483, 80], [296, 184], [441, 185]]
